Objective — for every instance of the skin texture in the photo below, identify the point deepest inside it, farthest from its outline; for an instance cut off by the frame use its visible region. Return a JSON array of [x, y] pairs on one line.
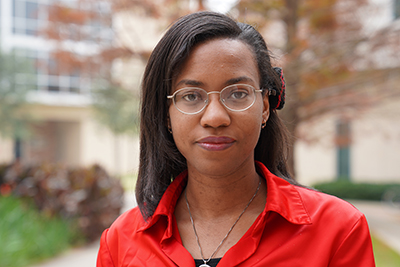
[[218, 145], [212, 66]]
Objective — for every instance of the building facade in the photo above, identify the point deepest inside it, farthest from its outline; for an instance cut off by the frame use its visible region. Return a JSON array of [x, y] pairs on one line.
[[365, 148], [64, 129]]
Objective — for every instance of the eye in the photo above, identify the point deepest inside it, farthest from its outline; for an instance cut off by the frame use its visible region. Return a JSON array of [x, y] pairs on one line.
[[191, 96], [239, 94]]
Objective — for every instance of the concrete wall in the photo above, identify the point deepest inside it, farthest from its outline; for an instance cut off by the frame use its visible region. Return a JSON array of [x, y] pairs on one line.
[[72, 136], [374, 150], [119, 154], [6, 150], [315, 151]]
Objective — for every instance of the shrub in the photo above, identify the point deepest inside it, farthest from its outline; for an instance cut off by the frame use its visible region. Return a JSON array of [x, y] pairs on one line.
[[86, 195], [350, 190], [27, 237]]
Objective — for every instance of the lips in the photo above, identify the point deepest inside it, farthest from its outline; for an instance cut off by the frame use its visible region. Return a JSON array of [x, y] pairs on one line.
[[216, 143]]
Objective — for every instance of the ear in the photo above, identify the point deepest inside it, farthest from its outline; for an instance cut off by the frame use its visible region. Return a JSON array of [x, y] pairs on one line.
[[168, 122], [265, 114]]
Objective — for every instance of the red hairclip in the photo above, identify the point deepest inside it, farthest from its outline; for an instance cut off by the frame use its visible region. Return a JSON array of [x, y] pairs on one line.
[[281, 92]]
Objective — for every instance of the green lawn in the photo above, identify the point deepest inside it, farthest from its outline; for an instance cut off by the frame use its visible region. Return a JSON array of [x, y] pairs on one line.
[[384, 256], [27, 237]]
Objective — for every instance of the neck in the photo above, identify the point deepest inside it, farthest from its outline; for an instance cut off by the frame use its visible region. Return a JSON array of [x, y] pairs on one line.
[[217, 203], [216, 197]]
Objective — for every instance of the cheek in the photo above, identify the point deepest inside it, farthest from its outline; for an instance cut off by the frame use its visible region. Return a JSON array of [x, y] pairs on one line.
[[257, 115], [174, 118], [252, 124], [252, 129], [181, 128]]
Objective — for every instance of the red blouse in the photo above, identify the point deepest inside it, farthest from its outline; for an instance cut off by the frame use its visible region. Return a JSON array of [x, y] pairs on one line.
[[298, 227]]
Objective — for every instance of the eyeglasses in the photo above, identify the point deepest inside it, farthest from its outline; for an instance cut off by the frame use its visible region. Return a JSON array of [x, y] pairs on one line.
[[193, 100]]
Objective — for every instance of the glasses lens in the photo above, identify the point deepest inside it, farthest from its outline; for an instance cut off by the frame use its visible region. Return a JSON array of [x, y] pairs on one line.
[[238, 97], [190, 100]]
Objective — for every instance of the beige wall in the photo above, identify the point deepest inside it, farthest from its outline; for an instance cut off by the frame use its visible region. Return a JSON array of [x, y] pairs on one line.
[[118, 154], [374, 152], [70, 135], [6, 150], [315, 153], [69, 142]]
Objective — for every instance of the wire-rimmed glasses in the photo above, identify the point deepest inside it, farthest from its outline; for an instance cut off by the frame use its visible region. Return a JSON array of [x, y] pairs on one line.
[[193, 100]]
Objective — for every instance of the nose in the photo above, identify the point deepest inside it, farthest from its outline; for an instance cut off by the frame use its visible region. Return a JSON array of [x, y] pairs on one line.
[[215, 114]]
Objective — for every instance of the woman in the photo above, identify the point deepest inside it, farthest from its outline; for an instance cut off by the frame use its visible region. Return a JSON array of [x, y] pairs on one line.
[[213, 186]]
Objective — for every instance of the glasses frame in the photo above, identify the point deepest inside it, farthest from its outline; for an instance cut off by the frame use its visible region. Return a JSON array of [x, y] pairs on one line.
[[214, 92]]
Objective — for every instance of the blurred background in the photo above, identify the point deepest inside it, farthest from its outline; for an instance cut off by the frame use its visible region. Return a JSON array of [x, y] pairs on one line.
[[70, 74]]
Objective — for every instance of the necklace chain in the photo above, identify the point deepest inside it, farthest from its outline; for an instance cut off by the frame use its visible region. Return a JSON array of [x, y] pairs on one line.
[[227, 234]]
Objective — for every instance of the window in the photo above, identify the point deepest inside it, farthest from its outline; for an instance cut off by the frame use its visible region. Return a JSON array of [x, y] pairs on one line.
[[17, 149], [48, 76], [26, 71], [31, 17], [343, 142], [28, 17], [396, 9]]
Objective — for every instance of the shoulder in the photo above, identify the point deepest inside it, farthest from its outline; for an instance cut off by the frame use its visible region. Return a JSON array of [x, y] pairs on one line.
[[300, 204], [131, 219], [323, 206], [118, 238], [339, 224], [125, 226]]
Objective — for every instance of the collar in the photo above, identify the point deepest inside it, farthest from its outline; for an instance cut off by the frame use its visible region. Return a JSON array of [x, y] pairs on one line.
[[166, 206], [282, 198]]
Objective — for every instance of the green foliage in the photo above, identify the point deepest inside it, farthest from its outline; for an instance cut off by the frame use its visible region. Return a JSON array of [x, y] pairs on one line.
[[348, 190], [88, 196], [16, 79], [128, 181], [384, 256], [26, 236], [117, 109]]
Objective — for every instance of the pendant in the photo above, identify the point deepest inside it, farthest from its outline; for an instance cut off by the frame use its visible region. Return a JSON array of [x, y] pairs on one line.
[[204, 265]]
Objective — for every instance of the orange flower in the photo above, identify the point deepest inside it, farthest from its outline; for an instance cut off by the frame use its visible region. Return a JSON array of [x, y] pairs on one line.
[[5, 190]]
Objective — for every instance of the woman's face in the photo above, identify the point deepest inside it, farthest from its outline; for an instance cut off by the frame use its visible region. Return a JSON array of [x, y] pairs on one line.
[[218, 141]]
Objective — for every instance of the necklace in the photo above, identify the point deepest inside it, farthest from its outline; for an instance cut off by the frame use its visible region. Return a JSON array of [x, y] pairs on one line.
[[227, 234]]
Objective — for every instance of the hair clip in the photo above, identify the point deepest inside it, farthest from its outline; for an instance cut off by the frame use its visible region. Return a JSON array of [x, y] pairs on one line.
[[280, 92]]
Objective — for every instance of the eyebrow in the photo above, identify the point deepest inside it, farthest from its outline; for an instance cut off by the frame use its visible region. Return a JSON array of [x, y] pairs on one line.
[[228, 82], [239, 79], [189, 82]]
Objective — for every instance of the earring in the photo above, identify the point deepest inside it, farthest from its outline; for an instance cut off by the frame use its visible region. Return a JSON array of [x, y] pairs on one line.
[[170, 129], [263, 124]]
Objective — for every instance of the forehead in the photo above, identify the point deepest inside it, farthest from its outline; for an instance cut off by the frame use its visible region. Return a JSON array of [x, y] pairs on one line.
[[217, 62]]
